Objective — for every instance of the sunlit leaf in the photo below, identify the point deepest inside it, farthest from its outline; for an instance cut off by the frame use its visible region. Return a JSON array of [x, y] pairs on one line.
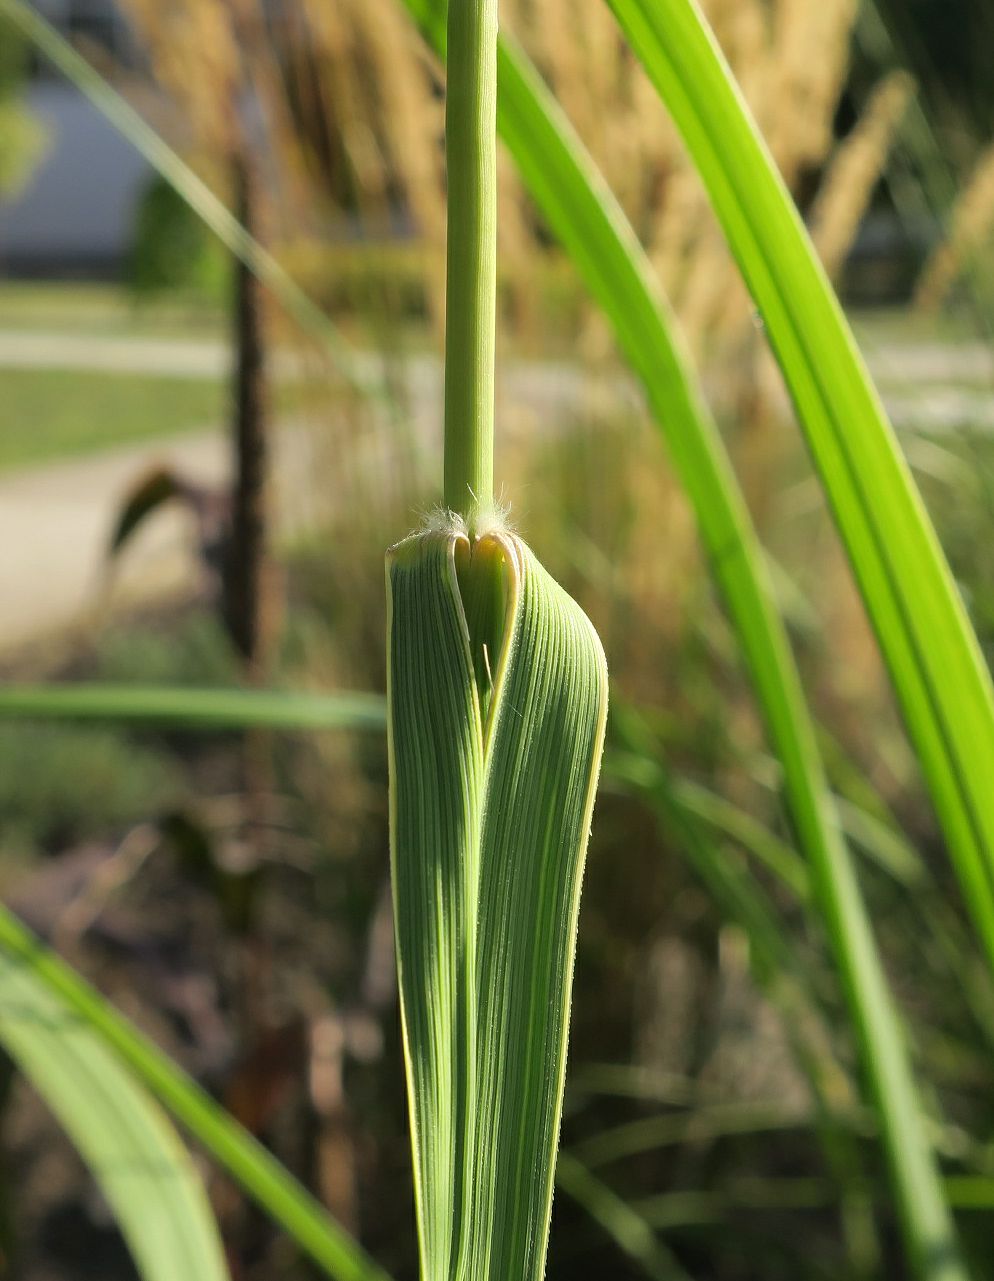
[[497, 697], [193, 708], [936, 666]]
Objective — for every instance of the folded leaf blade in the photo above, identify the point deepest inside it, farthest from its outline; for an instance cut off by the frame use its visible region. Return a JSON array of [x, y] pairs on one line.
[[436, 770], [490, 816], [542, 762]]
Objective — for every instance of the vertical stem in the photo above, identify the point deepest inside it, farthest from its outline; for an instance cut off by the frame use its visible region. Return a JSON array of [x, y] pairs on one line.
[[471, 257], [247, 551], [249, 603]]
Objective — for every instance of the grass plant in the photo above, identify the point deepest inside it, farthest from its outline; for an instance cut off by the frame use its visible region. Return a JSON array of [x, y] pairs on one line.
[[605, 249], [497, 704], [496, 707]]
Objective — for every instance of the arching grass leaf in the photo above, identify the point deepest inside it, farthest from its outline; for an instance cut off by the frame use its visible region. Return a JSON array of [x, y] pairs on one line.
[[936, 667], [53, 984], [144, 1171]]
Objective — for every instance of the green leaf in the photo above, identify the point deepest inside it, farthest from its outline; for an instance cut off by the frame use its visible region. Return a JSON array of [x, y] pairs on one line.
[[145, 1173], [193, 708], [935, 663], [588, 220], [249, 1164], [497, 694]]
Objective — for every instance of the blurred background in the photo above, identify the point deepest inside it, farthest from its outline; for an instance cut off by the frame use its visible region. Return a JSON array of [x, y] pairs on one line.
[[197, 488]]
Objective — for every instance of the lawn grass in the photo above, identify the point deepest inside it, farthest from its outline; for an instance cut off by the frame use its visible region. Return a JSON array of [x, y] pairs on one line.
[[104, 309], [49, 414]]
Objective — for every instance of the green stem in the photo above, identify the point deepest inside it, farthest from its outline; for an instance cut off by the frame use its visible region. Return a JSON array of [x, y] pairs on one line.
[[471, 260]]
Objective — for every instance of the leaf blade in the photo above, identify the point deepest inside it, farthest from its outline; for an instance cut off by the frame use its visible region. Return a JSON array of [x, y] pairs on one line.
[[435, 745], [193, 707], [542, 765], [145, 1173], [249, 1164], [936, 667], [490, 816]]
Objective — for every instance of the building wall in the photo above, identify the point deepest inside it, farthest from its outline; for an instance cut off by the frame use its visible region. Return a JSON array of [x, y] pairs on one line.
[[77, 212]]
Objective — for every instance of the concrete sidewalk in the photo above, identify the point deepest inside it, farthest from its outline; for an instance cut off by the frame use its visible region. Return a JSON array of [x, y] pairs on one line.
[[55, 526], [56, 523], [206, 357]]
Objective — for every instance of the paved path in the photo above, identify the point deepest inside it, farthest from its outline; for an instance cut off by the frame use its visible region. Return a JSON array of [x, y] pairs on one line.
[[200, 358], [208, 358], [55, 521], [542, 384]]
